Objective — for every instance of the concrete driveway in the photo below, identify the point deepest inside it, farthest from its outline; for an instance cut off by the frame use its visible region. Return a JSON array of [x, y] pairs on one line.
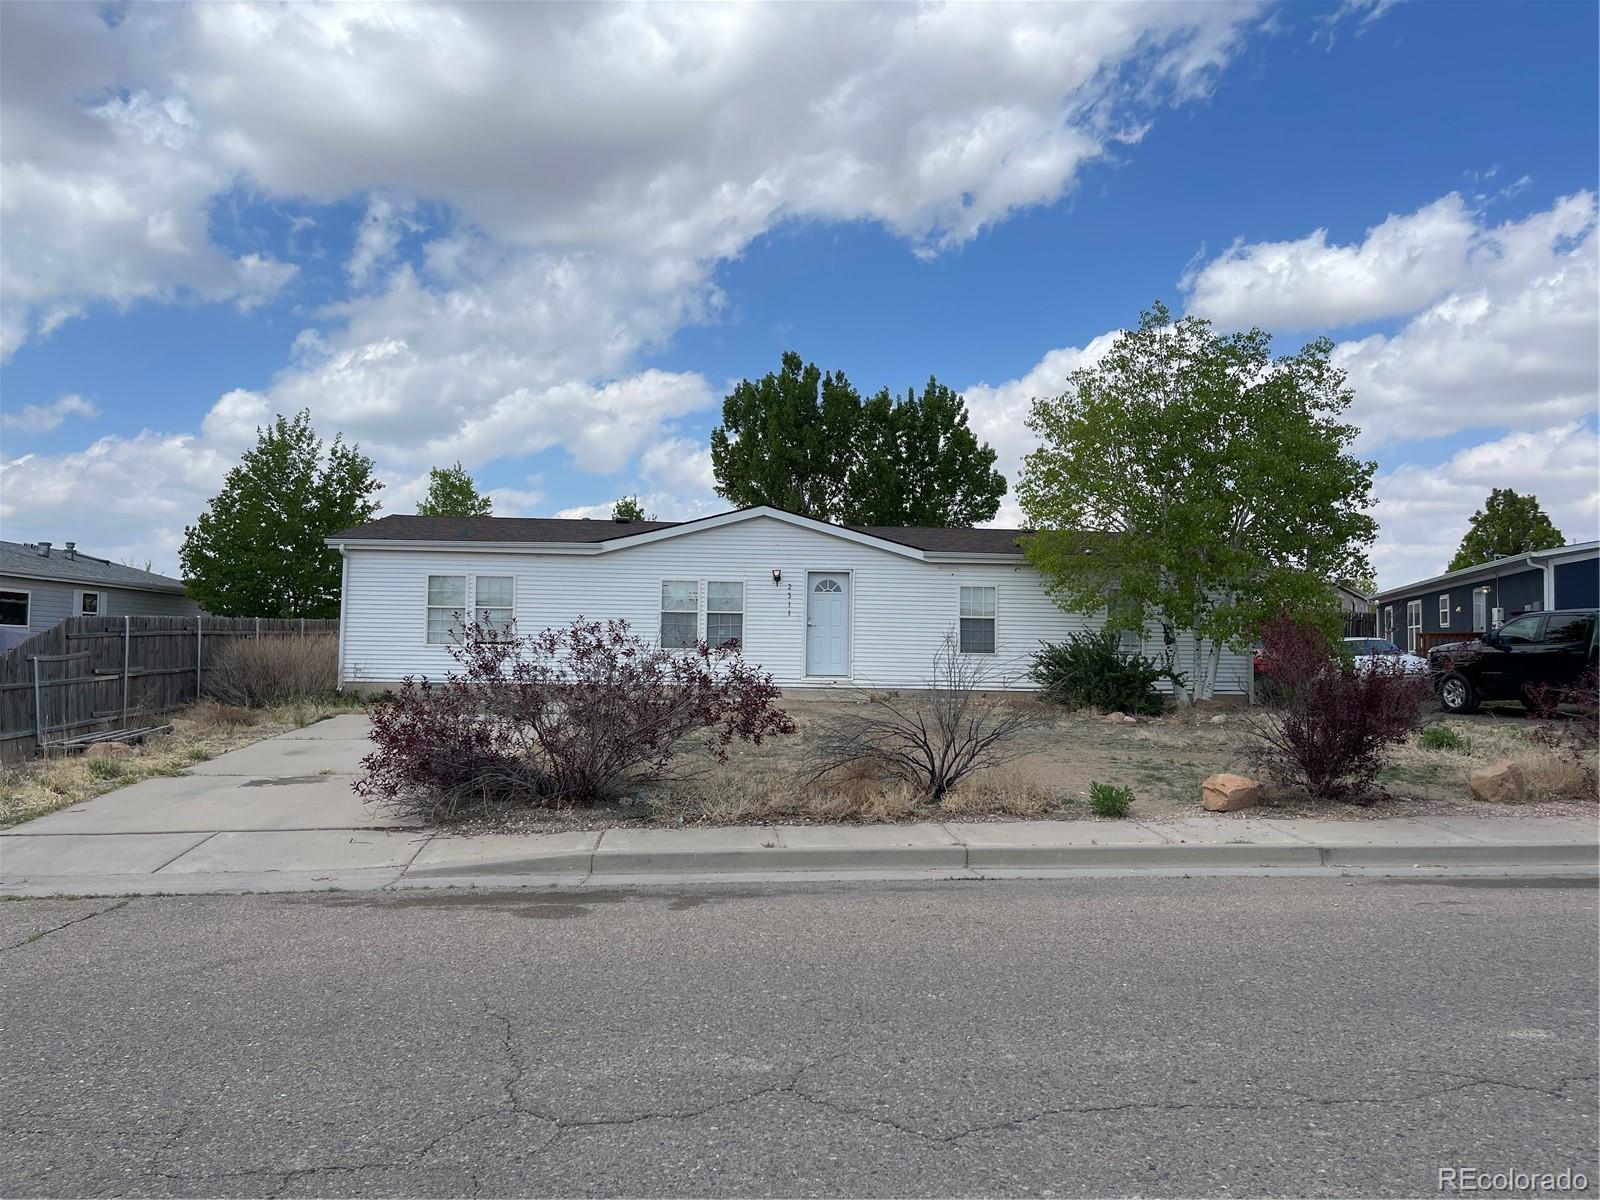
[[280, 805]]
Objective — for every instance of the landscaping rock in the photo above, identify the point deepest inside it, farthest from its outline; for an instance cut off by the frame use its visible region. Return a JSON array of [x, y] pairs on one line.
[[1116, 718], [109, 750], [1130, 720], [1219, 719], [1504, 782], [1229, 793]]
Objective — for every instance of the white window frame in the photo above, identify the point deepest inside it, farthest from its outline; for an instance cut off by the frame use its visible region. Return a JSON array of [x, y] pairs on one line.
[[27, 602], [454, 638], [1413, 628], [710, 612], [1444, 610], [99, 603], [662, 610], [993, 617]]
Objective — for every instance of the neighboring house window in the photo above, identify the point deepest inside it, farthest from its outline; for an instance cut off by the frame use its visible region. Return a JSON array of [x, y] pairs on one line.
[[680, 613], [1128, 642], [495, 600], [977, 620], [724, 613], [1444, 611], [447, 600], [14, 608], [1413, 624], [89, 604]]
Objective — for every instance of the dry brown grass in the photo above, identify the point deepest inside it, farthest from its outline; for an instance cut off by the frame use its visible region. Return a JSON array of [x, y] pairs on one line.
[[267, 672], [202, 731]]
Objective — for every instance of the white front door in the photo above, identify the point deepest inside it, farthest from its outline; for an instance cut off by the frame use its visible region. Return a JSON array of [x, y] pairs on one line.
[[827, 624]]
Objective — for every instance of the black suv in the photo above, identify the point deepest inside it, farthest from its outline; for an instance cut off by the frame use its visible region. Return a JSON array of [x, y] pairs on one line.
[[1535, 648]]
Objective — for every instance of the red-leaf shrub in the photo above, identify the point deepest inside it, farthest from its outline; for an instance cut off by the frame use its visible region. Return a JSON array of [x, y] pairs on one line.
[[1577, 736], [1336, 722], [564, 716]]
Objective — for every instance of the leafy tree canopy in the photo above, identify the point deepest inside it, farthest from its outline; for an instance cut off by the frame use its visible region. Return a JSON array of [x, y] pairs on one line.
[[628, 508], [451, 493], [1507, 524], [1191, 479], [257, 549], [804, 441]]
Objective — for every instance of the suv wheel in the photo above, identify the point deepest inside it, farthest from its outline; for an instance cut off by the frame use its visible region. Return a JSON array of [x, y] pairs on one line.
[[1456, 694]]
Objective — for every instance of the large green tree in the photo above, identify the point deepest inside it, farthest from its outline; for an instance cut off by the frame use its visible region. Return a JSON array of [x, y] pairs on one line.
[[1190, 479], [803, 440], [785, 440], [1507, 524], [257, 549], [628, 508], [451, 493], [915, 462]]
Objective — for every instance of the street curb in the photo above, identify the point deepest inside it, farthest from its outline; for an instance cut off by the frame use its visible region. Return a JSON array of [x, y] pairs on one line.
[[769, 860]]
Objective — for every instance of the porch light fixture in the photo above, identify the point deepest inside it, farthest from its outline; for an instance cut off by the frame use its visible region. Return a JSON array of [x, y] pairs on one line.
[[777, 577]]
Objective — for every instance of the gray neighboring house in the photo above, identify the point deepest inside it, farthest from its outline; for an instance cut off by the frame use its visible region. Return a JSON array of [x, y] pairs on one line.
[[42, 585]]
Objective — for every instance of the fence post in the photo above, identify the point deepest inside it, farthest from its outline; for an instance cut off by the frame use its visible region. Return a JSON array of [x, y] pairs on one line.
[[127, 638], [198, 621], [38, 710], [258, 629], [302, 627]]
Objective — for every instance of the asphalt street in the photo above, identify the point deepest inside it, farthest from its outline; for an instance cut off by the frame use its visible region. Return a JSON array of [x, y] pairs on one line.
[[1221, 1036]]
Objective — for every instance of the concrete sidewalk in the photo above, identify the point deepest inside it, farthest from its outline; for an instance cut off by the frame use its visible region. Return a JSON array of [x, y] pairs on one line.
[[279, 815]]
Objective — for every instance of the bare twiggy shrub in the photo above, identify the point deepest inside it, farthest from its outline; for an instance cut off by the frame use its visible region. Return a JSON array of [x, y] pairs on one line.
[[261, 672], [934, 740]]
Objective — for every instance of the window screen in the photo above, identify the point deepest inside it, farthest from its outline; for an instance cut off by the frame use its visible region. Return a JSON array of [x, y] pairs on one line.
[[724, 613], [680, 613], [977, 620]]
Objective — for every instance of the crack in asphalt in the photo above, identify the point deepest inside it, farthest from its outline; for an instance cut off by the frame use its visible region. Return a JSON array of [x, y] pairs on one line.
[[28, 941], [512, 1103]]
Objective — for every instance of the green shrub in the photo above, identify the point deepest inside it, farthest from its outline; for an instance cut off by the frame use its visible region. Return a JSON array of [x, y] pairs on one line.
[[1090, 670], [1442, 737], [106, 768], [1108, 800]]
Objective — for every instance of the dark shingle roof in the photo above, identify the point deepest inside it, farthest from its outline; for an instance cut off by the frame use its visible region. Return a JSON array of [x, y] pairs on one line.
[[406, 527], [948, 541], [22, 559]]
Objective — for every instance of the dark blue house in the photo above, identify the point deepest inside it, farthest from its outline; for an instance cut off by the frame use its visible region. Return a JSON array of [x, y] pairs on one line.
[[1460, 604]]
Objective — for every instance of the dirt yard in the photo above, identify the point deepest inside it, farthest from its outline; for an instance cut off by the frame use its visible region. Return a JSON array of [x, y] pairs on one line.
[[1162, 760]]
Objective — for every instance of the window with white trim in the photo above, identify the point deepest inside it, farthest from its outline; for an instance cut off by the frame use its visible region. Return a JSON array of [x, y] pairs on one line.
[[977, 620], [724, 612], [14, 608], [447, 602], [495, 600], [1444, 611], [91, 604], [680, 613]]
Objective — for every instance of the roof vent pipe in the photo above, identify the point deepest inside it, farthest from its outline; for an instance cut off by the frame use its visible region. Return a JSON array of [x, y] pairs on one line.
[[72, 550], [44, 549]]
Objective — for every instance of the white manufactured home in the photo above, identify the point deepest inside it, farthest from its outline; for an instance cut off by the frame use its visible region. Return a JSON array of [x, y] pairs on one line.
[[817, 605]]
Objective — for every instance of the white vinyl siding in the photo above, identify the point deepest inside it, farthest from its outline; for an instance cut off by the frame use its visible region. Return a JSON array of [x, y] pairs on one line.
[[901, 608], [447, 602], [680, 613], [724, 613], [977, 620]]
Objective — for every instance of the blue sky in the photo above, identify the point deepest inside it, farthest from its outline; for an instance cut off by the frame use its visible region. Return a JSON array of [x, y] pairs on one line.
[[558, 293]]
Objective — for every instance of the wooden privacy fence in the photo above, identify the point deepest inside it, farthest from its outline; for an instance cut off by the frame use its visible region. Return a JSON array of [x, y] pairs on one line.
[[91, 673]]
